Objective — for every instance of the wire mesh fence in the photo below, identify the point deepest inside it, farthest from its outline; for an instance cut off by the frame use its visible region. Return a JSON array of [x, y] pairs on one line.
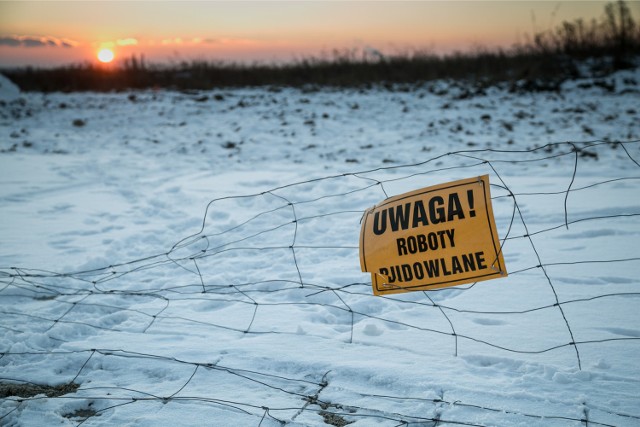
[[284, 263]]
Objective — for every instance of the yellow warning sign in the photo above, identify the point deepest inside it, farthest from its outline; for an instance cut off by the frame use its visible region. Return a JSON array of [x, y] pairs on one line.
[[432, 238]]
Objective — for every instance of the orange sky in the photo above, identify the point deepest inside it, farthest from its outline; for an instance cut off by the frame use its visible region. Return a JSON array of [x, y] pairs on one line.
[[54, 33]]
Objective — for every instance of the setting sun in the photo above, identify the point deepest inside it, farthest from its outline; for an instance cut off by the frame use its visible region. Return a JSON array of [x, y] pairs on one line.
[[105, 55]]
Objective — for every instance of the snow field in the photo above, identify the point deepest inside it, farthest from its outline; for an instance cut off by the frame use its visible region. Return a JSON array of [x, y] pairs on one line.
[[193, 259]]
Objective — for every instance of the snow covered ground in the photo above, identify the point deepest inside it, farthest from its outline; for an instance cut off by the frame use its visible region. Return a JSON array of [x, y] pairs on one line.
[[177, 258]]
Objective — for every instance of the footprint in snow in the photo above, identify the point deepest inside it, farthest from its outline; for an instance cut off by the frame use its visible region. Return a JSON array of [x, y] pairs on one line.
[[372, 330], [489, 322]]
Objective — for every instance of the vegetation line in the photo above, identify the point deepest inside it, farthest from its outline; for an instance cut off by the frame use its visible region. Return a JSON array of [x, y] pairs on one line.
[[606, 45]]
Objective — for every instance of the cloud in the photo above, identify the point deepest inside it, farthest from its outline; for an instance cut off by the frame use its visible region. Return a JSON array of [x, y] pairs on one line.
[[36, 41], [29, 42], [9, 41], [127, 42], [230, 41], [175, 40], [190, 41]]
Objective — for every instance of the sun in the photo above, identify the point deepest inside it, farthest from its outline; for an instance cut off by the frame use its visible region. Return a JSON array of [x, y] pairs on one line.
[[105, 55]]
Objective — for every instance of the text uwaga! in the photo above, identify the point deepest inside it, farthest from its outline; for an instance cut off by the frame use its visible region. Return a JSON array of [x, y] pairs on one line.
[[415, 215]]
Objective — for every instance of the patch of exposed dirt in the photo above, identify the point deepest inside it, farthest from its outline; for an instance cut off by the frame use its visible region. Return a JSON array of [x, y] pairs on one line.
[[82, 414], [334, 419], [30, 390]]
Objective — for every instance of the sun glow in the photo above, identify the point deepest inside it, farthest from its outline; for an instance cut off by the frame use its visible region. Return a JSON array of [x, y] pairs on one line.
[[105, 55]]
